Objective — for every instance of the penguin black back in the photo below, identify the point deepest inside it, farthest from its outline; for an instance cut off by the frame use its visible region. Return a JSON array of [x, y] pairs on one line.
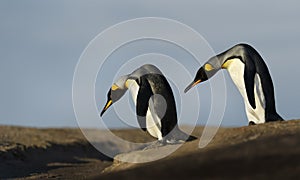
[[160, 85]]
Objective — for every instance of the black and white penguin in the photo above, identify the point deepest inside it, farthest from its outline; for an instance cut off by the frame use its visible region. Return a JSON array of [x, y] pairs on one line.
[[154, 101], [251, 76]]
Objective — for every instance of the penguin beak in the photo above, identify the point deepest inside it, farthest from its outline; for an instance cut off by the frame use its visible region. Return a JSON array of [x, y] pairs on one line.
[[191, 85], [107, 105]]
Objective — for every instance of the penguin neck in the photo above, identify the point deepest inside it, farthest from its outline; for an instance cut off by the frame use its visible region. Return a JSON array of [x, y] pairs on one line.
[[121, 82], [133, 88], [128, 83]]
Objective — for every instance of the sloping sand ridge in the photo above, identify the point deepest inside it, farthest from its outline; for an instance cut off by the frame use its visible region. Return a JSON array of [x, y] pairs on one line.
[[264, 151]]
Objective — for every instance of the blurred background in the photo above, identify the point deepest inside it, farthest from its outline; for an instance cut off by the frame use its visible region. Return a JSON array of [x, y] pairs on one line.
[[41, 42]]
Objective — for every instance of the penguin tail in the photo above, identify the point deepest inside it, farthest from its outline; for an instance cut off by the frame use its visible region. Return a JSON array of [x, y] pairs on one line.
[[182, 136], [191, 138], [179, 136], [274, 117]]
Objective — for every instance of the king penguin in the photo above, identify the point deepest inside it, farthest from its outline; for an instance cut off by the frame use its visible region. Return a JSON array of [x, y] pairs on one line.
[[154, 101], [250, 75]]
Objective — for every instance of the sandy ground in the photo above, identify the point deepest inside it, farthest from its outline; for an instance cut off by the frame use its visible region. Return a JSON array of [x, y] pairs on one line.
[[30, 153], [265, 151]]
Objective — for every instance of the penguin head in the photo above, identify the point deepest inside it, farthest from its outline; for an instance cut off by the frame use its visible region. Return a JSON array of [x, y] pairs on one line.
[[204, 73], [200, 77], [115, 93]]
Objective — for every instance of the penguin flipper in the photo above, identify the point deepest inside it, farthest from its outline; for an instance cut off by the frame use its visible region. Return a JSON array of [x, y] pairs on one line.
[[249, 78], [142, 102]]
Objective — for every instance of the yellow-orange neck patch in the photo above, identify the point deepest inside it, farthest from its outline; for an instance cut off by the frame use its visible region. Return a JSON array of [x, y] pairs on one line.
[[227, 64]]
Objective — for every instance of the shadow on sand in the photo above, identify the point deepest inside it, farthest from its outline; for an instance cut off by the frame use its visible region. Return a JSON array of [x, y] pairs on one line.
[[22, 162]]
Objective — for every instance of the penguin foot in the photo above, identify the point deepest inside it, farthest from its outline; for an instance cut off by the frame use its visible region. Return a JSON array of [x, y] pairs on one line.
[[174, 141], [155, 145], [180, 140], [179, 136], [251, 123], [163, 142]]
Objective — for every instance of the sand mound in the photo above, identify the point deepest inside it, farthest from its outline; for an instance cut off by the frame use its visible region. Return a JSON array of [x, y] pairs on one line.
[[264, 151]]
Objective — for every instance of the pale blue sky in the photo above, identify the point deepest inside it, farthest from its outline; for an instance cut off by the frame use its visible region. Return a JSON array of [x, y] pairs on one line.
[[41, 42]]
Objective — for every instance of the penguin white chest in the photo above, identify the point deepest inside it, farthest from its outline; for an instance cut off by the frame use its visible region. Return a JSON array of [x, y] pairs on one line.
[[153, 123], [236, 70]]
